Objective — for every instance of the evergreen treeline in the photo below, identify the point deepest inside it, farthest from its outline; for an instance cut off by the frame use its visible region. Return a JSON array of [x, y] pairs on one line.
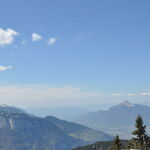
[[140, 140]]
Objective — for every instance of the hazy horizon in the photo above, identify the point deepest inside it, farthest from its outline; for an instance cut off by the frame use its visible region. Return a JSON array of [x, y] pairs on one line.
[[74, 53], [74, 74]]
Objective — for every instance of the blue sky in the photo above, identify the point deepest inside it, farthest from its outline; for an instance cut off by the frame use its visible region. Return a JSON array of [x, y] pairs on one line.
[[90, 51]]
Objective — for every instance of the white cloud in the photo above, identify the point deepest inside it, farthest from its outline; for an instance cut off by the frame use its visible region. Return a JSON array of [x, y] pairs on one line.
[[4, 68], [116, 94], [36, 37], [37, 95], [45, 96], [51, 41], [131, 94], [145, 94], [7, 36]]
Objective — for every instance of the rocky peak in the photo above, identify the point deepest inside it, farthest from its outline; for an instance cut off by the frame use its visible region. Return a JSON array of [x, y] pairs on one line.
[[127, 103], [11, 109]]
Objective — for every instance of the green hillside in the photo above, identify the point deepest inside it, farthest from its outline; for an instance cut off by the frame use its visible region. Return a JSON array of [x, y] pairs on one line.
[[79, 131]]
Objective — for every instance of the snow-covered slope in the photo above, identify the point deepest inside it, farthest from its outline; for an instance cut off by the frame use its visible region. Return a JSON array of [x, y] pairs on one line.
[[11, 109]]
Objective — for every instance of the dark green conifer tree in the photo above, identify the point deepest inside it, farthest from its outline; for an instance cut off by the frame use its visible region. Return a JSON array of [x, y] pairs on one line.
[[140, 139], [116, 145]]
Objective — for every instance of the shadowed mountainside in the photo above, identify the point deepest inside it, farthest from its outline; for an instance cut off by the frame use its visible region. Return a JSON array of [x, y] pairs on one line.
[[21, 131]]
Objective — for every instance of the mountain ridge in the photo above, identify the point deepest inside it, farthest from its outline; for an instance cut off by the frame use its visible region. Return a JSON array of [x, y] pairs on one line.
[[30, 132], [11, 109], [79, 131], [118, 119]]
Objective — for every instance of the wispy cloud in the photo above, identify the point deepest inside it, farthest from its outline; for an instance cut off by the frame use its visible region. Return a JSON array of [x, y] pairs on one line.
[[37, 95], [131, 94], [145, 94], [51, 41], [36, 37], [116, 94], [7, 36], [4, 68], [46, 95]]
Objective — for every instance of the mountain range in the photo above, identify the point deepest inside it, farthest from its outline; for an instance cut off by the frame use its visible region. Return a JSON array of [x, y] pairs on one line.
[[118, 119], [22, 131]]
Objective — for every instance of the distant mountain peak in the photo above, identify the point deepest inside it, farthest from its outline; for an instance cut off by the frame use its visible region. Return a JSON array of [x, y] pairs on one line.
[[3, 105], [11, 109], [127, 103], [124, 104]]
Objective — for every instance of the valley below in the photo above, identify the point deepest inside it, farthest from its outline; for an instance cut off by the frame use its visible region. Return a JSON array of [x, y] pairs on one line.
[[20, 130]]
